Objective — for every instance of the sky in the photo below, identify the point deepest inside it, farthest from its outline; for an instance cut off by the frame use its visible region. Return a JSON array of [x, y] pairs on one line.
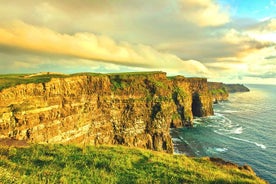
[[231, 41]]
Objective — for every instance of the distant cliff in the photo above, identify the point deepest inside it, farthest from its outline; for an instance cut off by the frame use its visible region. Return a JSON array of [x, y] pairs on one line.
[[220, 91], [133, 109], [233, 88]]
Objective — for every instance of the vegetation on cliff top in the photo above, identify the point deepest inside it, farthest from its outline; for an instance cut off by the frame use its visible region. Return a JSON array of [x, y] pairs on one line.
[[120, 81], [10, 80], [233, 88], [218, 88], [127, 74], [218, 91], [112, 164]]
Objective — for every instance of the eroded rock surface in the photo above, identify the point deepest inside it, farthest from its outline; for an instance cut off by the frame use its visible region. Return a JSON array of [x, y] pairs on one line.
[[127, 109], [218, 90]]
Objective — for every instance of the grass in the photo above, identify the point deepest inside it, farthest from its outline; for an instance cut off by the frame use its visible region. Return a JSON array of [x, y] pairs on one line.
[[218, 91], [110, 164], [180, 92], [119, 81], [15, 79], [135, 73], [10, 80]]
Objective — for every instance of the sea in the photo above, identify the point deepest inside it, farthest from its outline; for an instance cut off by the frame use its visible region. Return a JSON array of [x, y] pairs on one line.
[[242, 131]]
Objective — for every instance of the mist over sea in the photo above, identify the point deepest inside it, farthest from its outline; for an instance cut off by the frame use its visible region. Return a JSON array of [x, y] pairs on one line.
[[243, 131]]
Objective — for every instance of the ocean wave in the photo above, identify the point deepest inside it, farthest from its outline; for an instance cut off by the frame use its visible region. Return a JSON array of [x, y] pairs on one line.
[[217, 114], [238, 130], [220, 133], [216, 149], [225, 111], [175, 140], [243, 140], [251, 142], [224, 125], [225, 131], [234, 129], [221, 149], [197, 121]]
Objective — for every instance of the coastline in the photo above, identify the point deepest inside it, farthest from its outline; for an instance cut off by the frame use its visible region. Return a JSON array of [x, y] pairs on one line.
[[179, 146], [241, 132], [183, 148]]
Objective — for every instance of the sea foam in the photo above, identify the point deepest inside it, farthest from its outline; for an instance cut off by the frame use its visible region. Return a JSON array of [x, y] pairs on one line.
[[221, 149], [251, 142]]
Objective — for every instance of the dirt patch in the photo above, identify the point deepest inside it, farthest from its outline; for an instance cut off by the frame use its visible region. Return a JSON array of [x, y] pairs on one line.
[[6, 142], [222, 162]]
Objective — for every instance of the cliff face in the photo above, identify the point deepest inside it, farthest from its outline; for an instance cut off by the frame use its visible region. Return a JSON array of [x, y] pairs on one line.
[[128, 109], [218, 91], [233, 88]]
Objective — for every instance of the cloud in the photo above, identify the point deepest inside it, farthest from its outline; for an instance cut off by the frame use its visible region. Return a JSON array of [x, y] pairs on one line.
[[204, 12], [244, 42], [270, 57], [176, 36], [89, 46], [272, 25], [266, 75], [251, 65], [219, 45], [264, 30]]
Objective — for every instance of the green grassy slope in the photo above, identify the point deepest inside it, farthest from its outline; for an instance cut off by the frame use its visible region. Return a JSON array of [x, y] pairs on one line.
[[111, 164]]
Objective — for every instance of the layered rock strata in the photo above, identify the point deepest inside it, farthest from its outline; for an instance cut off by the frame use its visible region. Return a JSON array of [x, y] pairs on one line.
[[233, 88], [218, 90], [133, 109]]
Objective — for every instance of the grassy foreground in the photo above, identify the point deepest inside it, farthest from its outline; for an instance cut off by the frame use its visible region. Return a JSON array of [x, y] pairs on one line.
[[111, 164]]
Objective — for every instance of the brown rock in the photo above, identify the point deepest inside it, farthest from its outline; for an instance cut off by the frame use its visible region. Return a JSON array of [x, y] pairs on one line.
[[130, 109]]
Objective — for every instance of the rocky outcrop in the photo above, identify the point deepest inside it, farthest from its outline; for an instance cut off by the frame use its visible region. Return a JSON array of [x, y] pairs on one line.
[[193, 96], [233, 88], [133, 109], [219, 91]]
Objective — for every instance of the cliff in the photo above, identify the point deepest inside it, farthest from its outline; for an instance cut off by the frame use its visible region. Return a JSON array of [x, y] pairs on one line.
[[233, 88], [132, 109], [220, 91]]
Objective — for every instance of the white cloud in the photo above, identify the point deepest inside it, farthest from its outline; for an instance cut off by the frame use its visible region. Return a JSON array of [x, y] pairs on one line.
[[176, 36], [93, 47], [233, 36], [204, 12], [266, 32]]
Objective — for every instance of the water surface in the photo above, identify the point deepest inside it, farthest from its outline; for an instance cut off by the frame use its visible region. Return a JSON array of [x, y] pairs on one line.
[[243, 131]]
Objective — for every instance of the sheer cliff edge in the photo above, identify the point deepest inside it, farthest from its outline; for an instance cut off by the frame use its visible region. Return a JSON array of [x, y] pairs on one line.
[[132, 109]]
